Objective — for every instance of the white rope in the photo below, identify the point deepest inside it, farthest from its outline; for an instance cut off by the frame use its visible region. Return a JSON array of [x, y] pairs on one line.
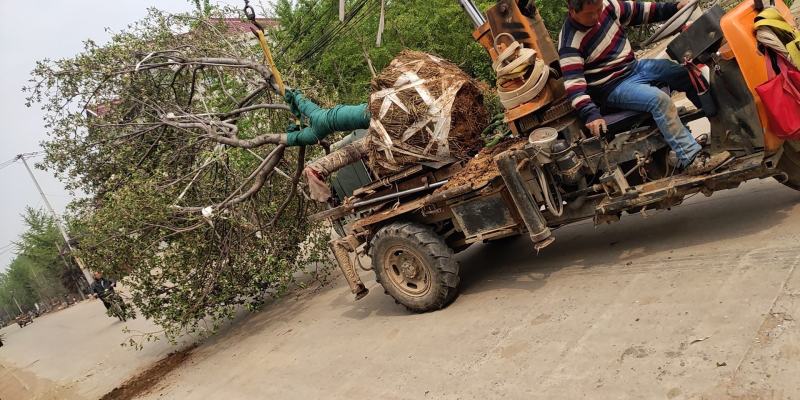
[[517, 62], [438, 113]]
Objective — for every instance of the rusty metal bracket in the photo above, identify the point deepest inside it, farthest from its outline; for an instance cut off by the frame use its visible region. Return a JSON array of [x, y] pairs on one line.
[[523, 200], [341, 249], [411, 206]]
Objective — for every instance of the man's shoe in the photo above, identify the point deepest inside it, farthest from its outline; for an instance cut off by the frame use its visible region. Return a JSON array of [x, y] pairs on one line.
[[672, 159], [702, 140], [704, 162]]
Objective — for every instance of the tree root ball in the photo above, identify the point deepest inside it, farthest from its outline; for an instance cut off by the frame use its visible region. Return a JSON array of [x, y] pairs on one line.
[[424, 110]]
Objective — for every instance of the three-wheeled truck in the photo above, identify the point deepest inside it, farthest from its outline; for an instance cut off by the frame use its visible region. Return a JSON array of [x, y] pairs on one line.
[[412, 223], [24, 319]]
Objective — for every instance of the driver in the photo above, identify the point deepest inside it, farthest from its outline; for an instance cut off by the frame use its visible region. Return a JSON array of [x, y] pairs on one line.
[[100, 286], [599, 67]]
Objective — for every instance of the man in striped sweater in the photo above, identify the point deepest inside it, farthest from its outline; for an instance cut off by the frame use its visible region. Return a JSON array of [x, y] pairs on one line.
[[600, 68]]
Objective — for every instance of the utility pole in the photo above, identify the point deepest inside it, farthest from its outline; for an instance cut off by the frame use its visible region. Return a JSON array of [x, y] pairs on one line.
[[57, 219], [17, 303], [69, 267]]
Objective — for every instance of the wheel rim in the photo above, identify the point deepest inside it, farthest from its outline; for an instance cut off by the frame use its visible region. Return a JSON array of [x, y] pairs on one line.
[[406, 271]]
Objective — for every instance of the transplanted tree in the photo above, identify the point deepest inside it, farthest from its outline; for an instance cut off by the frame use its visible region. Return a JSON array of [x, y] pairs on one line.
[[175, 130]]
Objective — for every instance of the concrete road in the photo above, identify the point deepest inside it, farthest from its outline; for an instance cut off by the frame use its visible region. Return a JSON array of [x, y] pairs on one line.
[[73, 354], [698, 302]]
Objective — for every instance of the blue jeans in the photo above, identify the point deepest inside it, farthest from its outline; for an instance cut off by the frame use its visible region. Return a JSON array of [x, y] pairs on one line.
[[639, 92]]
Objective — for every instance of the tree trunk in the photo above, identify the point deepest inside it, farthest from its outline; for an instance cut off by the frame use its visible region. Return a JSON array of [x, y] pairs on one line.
[[340, 158]]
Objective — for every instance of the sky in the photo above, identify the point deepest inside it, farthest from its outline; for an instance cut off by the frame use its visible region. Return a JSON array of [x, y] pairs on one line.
[[34, 31]]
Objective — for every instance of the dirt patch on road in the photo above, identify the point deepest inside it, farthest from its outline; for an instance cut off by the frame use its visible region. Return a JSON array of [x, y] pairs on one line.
[[147, 380], [18, 383], [481, 169]]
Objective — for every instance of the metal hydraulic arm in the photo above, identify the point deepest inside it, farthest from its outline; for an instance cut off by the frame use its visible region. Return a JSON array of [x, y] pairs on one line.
[[473, 12]]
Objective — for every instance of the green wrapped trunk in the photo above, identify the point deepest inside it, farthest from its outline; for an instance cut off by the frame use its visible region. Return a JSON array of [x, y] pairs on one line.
[[323, 121]]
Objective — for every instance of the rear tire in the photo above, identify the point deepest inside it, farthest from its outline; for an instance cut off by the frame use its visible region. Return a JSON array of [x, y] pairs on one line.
[[415, 266], [117, 309], [790, 164]]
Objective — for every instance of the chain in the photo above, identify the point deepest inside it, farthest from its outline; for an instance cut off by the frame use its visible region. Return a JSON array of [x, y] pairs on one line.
[[250, 13]]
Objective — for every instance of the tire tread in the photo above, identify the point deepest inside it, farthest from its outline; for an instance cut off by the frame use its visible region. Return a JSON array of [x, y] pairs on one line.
[[432, 246]]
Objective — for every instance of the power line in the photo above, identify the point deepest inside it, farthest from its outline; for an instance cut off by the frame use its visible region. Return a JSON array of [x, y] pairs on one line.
[[353, 19], [7, 163], [19, 157], [313, 19], [7, 248]]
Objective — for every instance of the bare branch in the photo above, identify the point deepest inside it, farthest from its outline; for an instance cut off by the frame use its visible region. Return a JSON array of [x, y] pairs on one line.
[[253, 108], [301, 162], [252, 96], [174, 79], [258, 141], [261, 174], [194, 83]]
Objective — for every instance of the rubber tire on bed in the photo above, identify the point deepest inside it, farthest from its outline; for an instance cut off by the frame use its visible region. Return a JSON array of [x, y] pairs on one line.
[[790, 164], [435, 256]]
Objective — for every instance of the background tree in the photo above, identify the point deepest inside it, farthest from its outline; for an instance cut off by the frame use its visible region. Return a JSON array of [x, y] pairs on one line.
[[203, 7], [310, 34], [43, 244], [39, 273]]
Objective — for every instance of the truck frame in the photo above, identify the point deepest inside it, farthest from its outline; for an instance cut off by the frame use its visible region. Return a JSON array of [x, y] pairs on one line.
[[412, 224]]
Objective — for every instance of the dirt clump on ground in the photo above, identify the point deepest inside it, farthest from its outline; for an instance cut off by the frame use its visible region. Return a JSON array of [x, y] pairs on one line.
[[147, 380], [481, 169], [424, 109]]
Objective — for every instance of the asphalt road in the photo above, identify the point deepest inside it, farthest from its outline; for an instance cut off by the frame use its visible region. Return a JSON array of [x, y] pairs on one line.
[[73, 354], [696, 302]]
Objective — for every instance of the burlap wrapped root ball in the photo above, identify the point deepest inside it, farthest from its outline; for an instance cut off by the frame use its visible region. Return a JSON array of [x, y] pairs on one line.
[[424, 110]]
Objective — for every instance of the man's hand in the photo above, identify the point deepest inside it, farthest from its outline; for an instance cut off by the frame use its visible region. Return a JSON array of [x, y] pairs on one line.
[[597, 126]]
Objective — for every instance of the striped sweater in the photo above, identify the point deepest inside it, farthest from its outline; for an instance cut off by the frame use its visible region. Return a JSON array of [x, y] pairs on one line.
[[594, 59]]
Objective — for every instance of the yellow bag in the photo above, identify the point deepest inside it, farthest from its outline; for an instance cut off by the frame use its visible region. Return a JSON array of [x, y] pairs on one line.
[[771, 19]]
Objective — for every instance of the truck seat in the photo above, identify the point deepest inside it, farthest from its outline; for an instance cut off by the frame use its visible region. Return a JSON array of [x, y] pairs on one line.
[[618, 121], [621, 121]]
